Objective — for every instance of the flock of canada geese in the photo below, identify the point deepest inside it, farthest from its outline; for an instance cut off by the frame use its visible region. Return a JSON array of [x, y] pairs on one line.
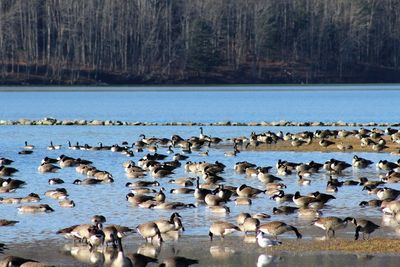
[[207, 185]]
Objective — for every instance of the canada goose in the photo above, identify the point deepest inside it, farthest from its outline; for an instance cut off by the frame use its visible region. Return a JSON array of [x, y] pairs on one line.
[[331, 224], [344, 147], [365, 182], [350, 182], [182, 190], [265, 242], [54, 181], [96, 237], [142, 184], [74, 147], [222, 228], [248, 191], [178, 261], [173, 224], [302, 181], [324, 198], [360, 163], [325, 143], [11, 184], [283, 171], [251, 172], [87, 181], [309, 213], [23, 262], [267, 177], [7, 171], [387, 193], [4, 222], [121, 260], [386, 165], [302, 200], [76, 232], [219, 209], [32, 197], [137, 199], [140, 260], [241, 217], [213, 200], [364, 226], [159, 172], [58, 193], [183, 181], [187, 149], [179, 157], [241, 166], [204, 153], [391, 207], [142, 190], [276, 228], [98, 220], [66, 203], [371, 203], [148, 231], [250, 225], [35, 208], [170, 205], [5, 161], [284, 210], [200, 193], [224, 193], [243, 201], [67, 162], [28, 146], [338, 166], [232, 153], [379, 147], [11, 200], [48, 167], [53, 147], [330, 187]]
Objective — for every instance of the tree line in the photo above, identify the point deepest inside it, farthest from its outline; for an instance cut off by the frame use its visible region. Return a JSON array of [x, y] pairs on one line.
[[199, 41]]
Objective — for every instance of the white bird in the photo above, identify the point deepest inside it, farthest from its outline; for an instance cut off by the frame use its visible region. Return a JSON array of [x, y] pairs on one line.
[[265, 241]]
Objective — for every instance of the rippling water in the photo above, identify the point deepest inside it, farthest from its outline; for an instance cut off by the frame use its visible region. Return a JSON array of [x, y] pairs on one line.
[[362, 103], [241, 104], [109, 199]]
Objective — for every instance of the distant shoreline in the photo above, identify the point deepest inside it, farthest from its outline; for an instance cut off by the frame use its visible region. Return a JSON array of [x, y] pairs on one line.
[[204, 88], [49, 121]]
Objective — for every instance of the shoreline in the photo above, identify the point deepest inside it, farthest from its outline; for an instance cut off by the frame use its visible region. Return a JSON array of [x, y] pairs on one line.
[[48, 121], [232, 251]]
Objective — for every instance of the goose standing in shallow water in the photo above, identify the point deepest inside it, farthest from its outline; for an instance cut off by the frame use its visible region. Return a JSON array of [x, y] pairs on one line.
[[221, 228], [149, 231], [331, 224], [276, 228], [364, 226], [121, 260]]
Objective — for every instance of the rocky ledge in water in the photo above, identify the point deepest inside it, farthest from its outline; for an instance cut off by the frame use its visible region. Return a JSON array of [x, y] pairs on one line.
[[77, 122]]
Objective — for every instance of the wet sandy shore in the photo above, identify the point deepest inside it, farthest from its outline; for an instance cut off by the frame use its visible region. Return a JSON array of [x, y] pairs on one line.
[[233, 251]]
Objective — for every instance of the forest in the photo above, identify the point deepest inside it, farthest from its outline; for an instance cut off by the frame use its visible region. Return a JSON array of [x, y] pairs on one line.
[[199, 41]]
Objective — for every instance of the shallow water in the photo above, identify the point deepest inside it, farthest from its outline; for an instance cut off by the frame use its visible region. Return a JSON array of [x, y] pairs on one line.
[[109, 199], [258, 104], [363, 103], [231, 252]]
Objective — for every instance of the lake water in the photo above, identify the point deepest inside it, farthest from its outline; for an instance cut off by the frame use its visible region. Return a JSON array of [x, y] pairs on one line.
[[317, 104], [208, 104]]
